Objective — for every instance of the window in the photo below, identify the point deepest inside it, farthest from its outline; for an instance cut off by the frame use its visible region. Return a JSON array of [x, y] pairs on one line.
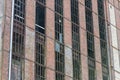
[[40, 56], [74, 11], [40, 41], [90, 45], [18, 38], [103, 41], [59, 41], [89, 20], [17, 70], [91, 68], [88, 4], [105, 77], [19, 10], [105, 72], [75, 39], [59, 76], [59, 28], [40, 18], [104, 52], [91, 73], [59, 6], [90, 39], [40, 72], [76, 65]]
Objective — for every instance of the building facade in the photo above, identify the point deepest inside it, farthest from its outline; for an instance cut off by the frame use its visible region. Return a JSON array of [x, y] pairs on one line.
[[59, 40]]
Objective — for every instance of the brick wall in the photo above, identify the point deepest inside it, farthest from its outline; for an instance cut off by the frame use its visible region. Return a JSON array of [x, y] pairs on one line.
[[50, 37]]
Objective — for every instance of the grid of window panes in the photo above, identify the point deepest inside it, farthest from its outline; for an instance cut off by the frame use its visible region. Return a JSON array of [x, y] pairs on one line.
[[40, 56], [40, 41], [75, 39], [19, 10], [59, 40], [90, 39], [17, 70], [103, 43]]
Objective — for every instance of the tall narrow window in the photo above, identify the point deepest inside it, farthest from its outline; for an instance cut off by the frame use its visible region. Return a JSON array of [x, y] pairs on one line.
[[103, 41], [90, 39], [18, 40], [59, 40], [40, 40], [75, 39]]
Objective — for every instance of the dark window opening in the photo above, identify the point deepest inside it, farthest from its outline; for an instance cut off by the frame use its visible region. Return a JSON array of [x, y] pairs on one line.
[[40, 18]]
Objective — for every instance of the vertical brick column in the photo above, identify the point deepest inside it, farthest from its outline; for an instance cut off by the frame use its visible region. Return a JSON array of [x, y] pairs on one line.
[[50, 37], [68, 40], [5, 49], [83, 40], [30, 40], [97, 40], [1, 30], [5, 36]]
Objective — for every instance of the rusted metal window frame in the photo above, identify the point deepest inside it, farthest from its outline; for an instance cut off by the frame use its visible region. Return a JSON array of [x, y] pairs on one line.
[[103, 39], [90, 40], [18, 40], [40, 41], [59, 41], [75, 40]]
